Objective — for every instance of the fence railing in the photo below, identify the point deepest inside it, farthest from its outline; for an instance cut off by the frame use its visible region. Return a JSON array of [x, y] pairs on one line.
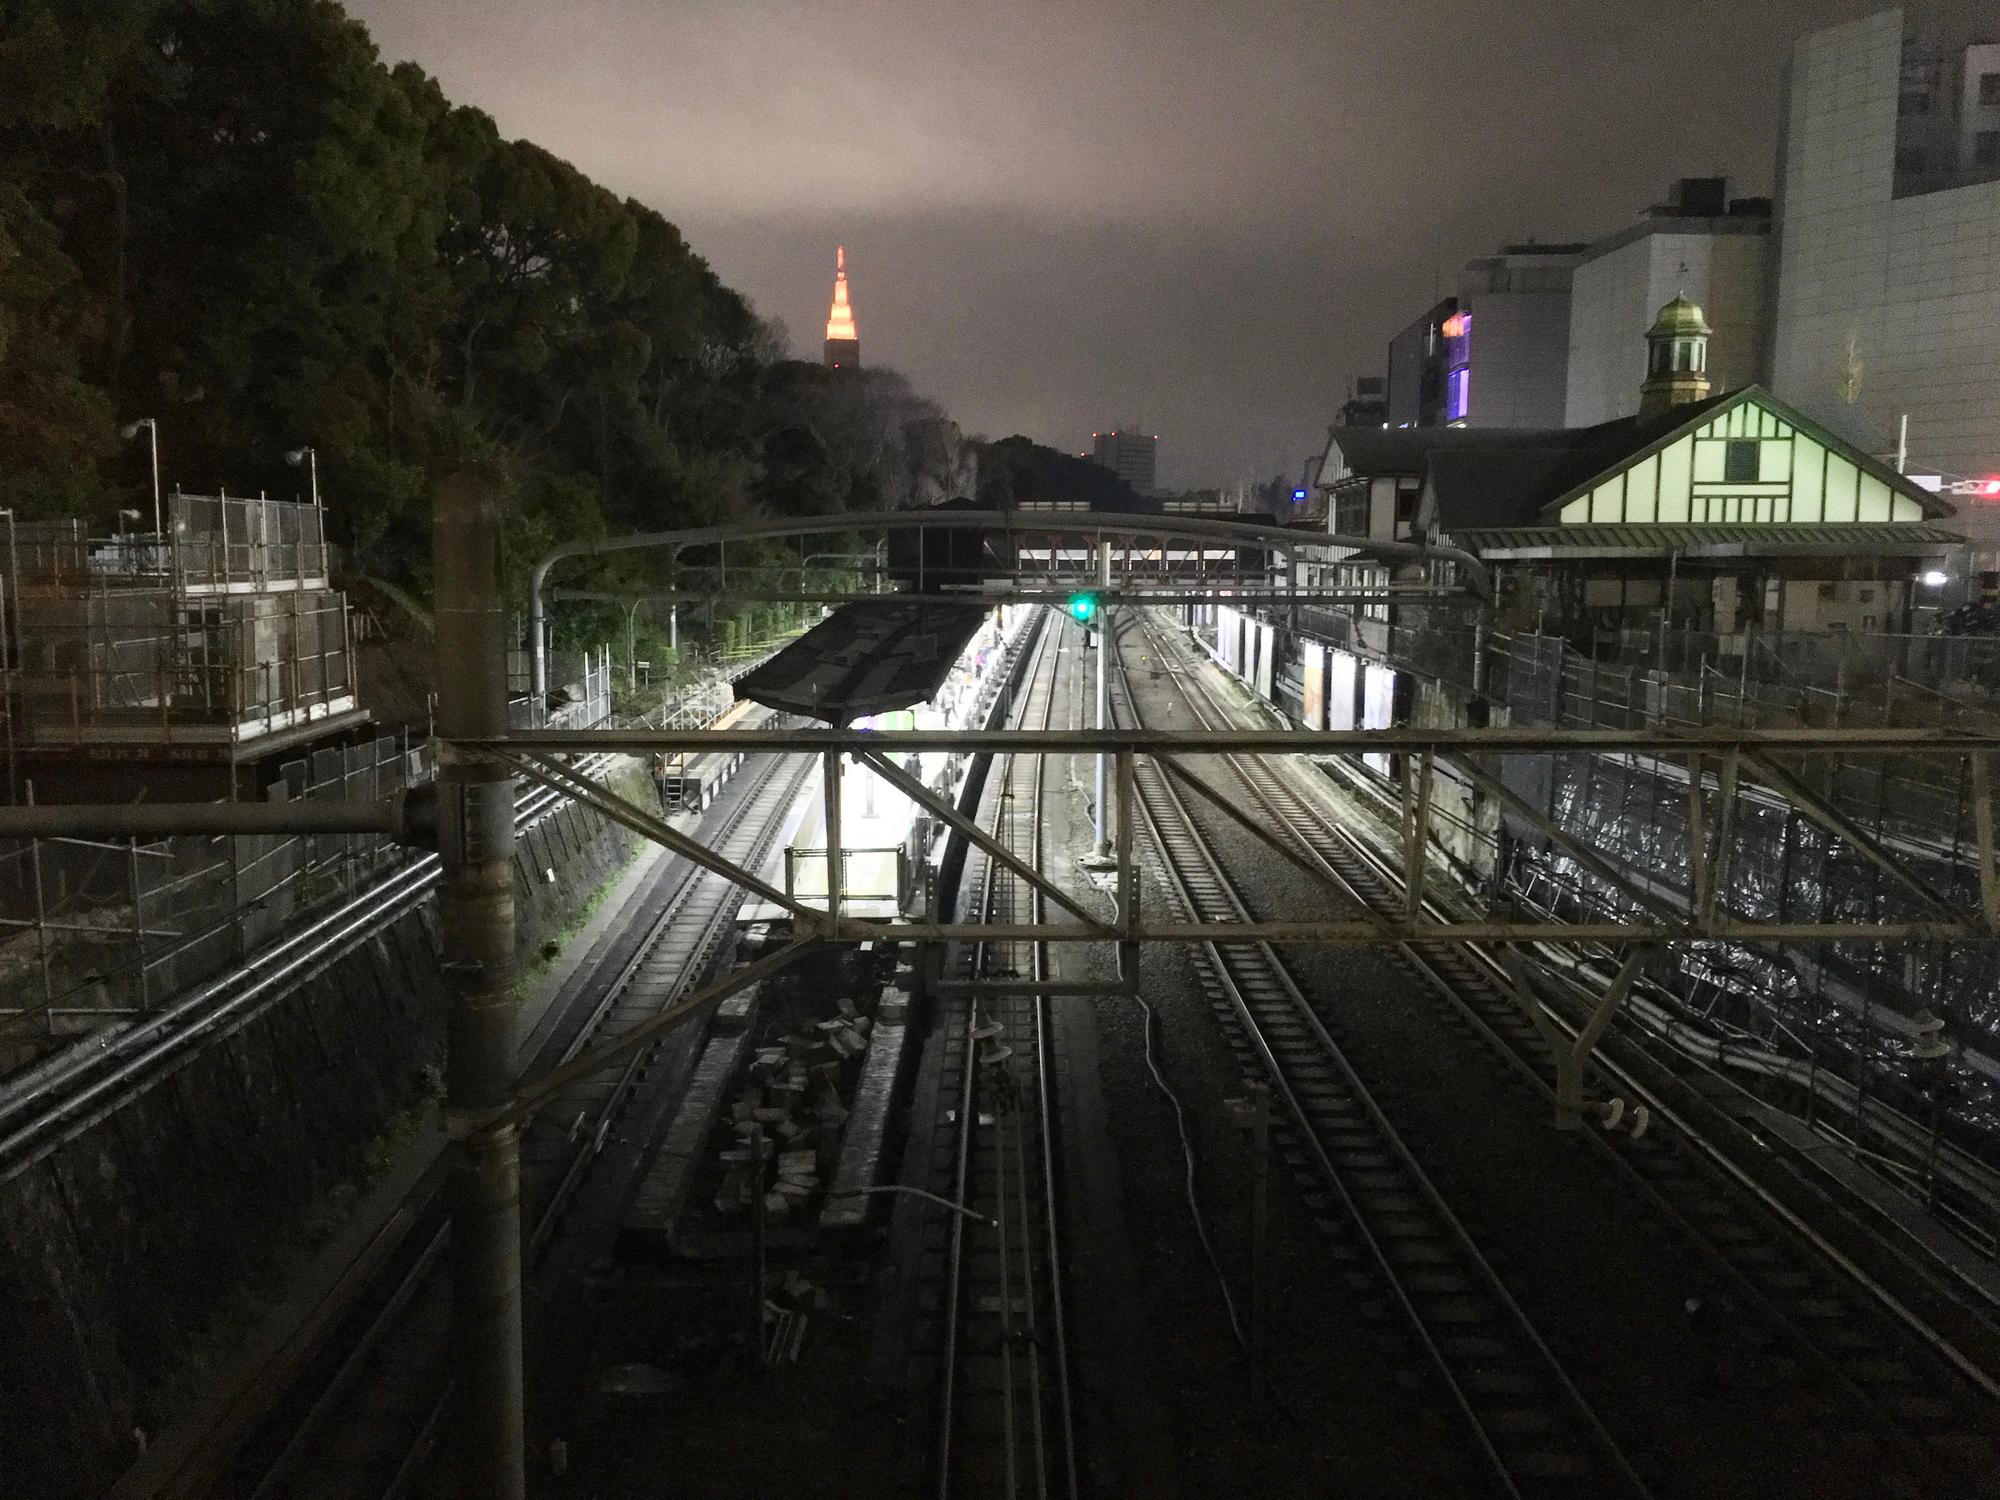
[[97, 930]]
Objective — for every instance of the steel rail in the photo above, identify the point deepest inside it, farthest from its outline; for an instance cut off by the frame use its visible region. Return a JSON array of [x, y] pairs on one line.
[[1254, 978], [1012, 1219], [1325, 840], [592, 1010]]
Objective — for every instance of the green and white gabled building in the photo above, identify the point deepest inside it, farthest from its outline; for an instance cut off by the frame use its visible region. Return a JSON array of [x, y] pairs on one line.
[[1714, 513]]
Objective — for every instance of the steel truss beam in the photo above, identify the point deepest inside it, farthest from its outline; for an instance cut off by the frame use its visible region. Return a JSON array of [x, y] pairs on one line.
[[1054, 591], [1843, 827], [1106, 528], [1311, 868], [1590, 858], [1405, 740]]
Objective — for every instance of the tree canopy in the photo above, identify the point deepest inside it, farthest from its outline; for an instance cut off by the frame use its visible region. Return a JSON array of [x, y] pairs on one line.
[[229, 215]]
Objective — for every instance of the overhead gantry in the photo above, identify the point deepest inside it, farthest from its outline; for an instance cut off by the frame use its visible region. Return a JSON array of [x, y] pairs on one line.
[[1120, 542]]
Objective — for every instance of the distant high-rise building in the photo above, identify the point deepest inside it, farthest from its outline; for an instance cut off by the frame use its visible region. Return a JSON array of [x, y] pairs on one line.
[[843, 340], [1510, 373], [1132, 456]]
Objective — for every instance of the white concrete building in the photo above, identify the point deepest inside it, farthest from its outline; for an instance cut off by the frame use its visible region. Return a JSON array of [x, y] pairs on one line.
[[1698, 245], [1889, 285]]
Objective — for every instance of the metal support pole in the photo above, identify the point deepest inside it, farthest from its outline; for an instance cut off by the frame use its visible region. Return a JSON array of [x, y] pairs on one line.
[[834, 885], [153, 442], [1260, 1238], [1128, 877], [476, 840], [757, 1245], [138, 920], [41, 928], [1103, 843]]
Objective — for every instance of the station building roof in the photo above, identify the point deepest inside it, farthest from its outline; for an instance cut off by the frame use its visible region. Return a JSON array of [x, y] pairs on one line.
[[866, 658]]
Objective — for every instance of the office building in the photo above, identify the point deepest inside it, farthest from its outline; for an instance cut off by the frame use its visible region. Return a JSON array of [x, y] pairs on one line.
[[1132, 456], [1888, 300], [1495, 355]]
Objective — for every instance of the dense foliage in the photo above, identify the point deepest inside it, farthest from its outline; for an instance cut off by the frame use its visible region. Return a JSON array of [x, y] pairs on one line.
[[230, 216]]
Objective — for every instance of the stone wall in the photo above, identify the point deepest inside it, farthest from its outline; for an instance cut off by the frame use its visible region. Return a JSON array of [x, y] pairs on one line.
[[129, 1255]]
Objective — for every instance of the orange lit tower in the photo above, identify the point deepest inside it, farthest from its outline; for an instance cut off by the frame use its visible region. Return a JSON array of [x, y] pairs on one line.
[[843, 341]]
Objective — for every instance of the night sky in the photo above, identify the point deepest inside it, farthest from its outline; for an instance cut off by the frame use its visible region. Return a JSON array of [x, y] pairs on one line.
[[1201, 219]]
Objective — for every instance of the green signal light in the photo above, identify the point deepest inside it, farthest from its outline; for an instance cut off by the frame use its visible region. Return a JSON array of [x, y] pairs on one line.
[[1082, 607]]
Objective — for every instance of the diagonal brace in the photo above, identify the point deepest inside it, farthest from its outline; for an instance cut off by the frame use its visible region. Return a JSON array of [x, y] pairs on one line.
[[1982, 825], [1570, 844], [1837, 823], [1570, 1053], [1709, 848], [931, 802], [1311, 867], [595, 795]]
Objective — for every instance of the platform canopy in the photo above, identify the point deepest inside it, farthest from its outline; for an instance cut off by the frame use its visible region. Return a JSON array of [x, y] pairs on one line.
[[866, 658]]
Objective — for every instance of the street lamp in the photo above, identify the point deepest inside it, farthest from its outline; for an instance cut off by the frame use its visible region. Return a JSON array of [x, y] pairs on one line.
[[131, 430], [310, 459], [127, 515]]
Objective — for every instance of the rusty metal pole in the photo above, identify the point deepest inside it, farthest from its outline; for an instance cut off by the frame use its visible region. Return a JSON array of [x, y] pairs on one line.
[[1102, 835], [757, 1249], [1260, 1239], [476, 840]]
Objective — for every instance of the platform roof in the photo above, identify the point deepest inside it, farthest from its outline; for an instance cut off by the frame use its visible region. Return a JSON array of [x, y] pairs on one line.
[[866, 658]]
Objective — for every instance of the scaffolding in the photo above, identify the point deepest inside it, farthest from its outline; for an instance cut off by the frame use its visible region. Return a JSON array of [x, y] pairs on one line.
[[222, 632]]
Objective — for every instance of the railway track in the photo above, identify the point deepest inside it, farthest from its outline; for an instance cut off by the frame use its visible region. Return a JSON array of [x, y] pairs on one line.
[[1934, 1411], [1004, 1409], [1524, 1415], [370, 1427]]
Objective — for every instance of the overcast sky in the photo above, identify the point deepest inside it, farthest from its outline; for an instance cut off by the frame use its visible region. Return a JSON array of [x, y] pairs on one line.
[[1204, 219]]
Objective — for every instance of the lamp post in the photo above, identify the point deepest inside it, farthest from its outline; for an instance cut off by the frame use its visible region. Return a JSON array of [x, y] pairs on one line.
[[131, 430], [310, 458]]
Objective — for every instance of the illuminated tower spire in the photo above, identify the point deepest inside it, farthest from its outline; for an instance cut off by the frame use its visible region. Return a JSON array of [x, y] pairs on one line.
[[843, 341]]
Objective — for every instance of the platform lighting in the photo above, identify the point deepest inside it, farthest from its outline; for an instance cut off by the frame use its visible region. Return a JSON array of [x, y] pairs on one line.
[[1082, 608], [1934, 578]]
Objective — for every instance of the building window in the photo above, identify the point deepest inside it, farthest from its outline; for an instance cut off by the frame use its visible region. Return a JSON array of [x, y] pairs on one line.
[[1739, 461], [1457, 395], [1989, 90], [1986, 148]]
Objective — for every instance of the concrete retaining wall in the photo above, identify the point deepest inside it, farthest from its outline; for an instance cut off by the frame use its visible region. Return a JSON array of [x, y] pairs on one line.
[[131, 1255]]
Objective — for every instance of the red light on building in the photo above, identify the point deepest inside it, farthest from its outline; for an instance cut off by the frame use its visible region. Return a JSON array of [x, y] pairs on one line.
[[1989, 487]]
